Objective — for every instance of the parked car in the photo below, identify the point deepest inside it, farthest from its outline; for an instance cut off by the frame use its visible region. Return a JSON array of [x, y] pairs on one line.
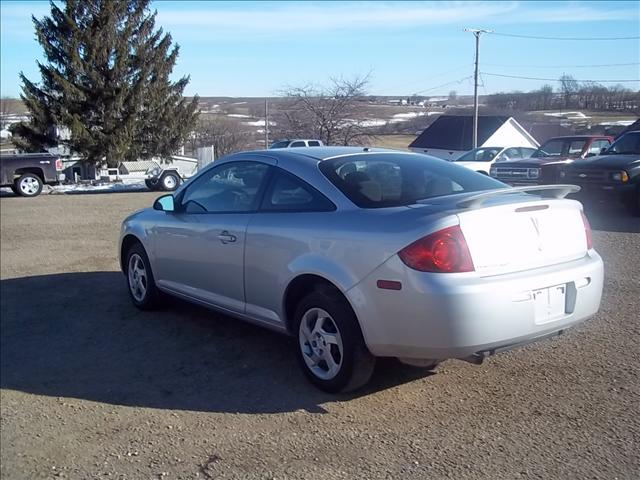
[[362, 253], [298, 142], [613, 175], [544, 164], [480, 159], [27, 173]]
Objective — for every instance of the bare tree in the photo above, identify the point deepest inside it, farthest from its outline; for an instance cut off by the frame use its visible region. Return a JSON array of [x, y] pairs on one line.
[[328, 113], [226, 135], [569, 87]]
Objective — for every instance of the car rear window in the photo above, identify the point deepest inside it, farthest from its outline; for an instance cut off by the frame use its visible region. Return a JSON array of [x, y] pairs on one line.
[[392, 179]]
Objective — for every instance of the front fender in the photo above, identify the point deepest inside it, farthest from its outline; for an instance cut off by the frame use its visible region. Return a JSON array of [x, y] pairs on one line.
[[133, 230]]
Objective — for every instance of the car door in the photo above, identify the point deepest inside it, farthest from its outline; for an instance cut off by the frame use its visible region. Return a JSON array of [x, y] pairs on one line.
[[285, 229], [200, 247]]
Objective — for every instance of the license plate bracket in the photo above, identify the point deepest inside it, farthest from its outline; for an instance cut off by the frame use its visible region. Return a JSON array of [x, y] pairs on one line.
[[549, 303]]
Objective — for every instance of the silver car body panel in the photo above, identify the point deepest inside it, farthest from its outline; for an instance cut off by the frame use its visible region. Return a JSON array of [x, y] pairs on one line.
[[434, 315]]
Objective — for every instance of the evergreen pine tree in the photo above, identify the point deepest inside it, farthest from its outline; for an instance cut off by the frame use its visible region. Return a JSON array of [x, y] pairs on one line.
[[106, 78]]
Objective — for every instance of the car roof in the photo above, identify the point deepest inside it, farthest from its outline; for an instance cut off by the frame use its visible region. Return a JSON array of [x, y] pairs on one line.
[[315, 154]]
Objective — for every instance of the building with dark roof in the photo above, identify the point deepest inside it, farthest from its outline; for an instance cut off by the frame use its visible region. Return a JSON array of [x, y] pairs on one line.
[[451, 135]]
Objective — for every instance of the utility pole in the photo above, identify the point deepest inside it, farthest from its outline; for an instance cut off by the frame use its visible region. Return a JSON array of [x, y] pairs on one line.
[[266, 123], [476, 33]]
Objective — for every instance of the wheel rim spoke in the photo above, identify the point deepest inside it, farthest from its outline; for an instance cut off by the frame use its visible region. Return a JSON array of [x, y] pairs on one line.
[[320, 343], [137, 277]]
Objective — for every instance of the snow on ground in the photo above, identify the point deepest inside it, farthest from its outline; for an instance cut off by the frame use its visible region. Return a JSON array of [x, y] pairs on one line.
[[372, 122], [569, 115], [259, 123], [127, 185], [238, 115], [622, 123]]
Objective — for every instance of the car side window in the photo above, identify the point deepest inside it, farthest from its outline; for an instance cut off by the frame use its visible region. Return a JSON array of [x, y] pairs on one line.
[[229, 188], [298, 144], [314, 143], [597, 146], [288, 193]]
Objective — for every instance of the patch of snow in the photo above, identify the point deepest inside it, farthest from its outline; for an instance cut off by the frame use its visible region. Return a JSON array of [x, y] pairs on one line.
[[238, 115], [238, 103], [127, 185], [569, 115], [409, 115], [373, 122], [622, 123]]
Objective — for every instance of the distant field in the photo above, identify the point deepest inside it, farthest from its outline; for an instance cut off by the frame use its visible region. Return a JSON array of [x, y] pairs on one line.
[[400, 142]]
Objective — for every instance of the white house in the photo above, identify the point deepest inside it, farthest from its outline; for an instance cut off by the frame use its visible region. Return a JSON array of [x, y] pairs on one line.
[[450, 136]]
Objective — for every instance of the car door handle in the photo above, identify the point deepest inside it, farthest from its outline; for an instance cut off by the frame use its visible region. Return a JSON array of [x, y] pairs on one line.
[[225, 237]]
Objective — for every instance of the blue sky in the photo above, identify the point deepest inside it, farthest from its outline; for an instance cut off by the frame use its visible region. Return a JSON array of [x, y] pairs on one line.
[[257, 48]]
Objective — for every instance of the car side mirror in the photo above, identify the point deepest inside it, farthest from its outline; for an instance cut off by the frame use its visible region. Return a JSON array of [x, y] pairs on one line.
[[602, 150], [164, 203]]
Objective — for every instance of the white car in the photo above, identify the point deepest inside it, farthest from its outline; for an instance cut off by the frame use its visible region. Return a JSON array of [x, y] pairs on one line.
[[480, 159], [299, 142]]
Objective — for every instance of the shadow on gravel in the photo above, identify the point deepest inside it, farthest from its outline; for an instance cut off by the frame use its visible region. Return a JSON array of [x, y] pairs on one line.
[[611, 218], [77, 335]]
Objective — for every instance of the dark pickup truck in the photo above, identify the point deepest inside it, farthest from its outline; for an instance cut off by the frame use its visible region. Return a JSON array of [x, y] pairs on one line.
[[613, 175], [544, 164], [27, 173]]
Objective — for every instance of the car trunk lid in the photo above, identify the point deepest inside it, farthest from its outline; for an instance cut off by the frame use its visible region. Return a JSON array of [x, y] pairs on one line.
[[523, 235]]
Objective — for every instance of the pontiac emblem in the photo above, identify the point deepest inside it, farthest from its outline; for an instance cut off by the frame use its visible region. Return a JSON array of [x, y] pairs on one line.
[[583, 175], [536, 225]]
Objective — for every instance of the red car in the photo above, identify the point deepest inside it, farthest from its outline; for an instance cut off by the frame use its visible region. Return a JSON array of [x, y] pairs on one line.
[[542, 167]]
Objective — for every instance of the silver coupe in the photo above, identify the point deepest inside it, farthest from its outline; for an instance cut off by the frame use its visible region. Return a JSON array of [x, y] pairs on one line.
[[362, 253]]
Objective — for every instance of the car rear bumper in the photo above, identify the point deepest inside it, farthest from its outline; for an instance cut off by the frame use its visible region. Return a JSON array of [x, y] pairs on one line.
[[440, 316]]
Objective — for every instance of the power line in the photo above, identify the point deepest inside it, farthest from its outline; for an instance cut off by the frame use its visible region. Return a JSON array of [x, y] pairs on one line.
[[563, 66], [444, 85], [431, 77], [557, 80], [580, 39]]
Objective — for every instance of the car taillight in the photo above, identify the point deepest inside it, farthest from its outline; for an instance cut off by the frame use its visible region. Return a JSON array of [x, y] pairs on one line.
[[587, 231], [58, 164], [444, 251]]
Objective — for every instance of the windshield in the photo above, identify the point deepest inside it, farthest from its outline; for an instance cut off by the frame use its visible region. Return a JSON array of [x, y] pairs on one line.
[[394, 179], [565, 147], [483, 154], [629, 143]]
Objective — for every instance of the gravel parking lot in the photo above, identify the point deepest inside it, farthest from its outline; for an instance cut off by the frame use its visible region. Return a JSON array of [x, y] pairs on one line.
[[92, 388]]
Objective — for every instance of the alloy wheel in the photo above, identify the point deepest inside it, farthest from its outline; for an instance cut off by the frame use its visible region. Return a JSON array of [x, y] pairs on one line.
[[137, 275], [321, 343]]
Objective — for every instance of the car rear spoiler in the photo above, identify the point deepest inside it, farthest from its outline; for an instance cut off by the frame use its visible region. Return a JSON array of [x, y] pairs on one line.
[[545, 191]]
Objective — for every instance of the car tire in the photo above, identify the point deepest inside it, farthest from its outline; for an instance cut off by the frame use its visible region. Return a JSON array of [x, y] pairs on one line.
[[14, 189], [632, 203], [28, 185], [140, 281], [151, 184], [170, 181], [330, 347]]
